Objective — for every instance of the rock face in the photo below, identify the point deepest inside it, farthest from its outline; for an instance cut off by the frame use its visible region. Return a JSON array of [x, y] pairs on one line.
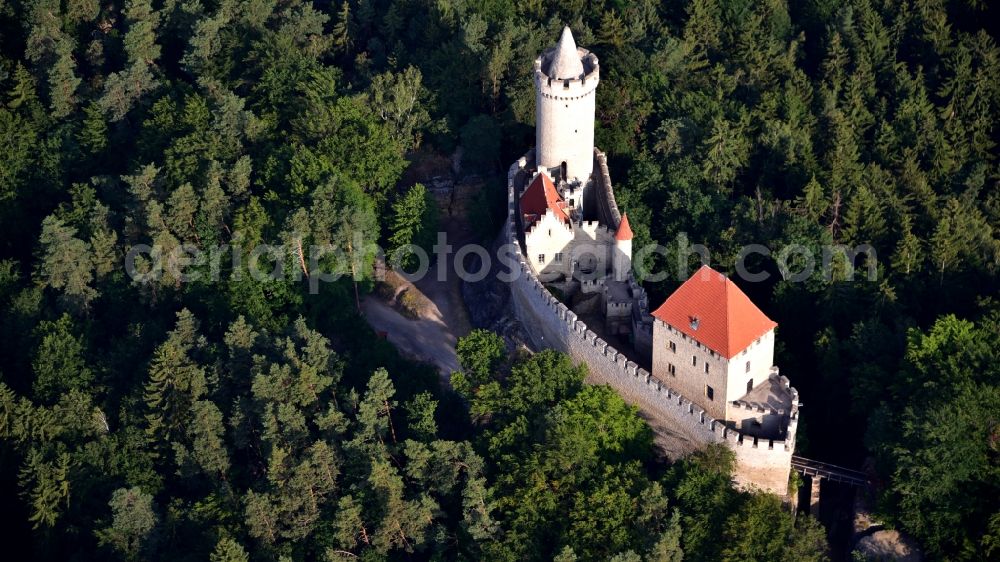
[[453, 192], [489, 303], [454, 198], [888, 545]]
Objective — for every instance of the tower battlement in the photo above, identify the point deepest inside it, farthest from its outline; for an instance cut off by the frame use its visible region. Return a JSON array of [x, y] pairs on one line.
[[568, 88]]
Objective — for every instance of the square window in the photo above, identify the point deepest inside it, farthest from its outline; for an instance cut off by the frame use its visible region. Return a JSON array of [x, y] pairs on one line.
[[709, 393], [541, 258], [558, 257], [673, 347]]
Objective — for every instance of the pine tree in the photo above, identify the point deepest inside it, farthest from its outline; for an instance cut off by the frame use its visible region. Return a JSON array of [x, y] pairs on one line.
[[123, 89], [228, 550], [208, 451], [59, 363], [46, 485], [344, 30], [413, 223], [726, 152], [864, 222], [813, 200], [176, 382], [909, 254], [66, 263], [133, 522], [93, 135], [182, 207]]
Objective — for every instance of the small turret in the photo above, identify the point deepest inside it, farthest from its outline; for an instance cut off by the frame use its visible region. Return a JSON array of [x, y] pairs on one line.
[[623, 249]]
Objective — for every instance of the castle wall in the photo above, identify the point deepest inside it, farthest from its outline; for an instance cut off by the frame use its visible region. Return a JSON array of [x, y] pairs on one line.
[[761, 463], [602, 193]]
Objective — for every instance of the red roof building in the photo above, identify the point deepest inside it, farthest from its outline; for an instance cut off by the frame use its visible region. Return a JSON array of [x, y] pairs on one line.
[[713, 311], [539, 197]]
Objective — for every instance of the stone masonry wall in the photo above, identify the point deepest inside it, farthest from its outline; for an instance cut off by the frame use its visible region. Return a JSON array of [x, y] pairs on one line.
[[761, 463]]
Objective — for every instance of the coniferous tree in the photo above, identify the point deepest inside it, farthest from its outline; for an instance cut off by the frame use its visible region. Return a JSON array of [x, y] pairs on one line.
[[133, 523]]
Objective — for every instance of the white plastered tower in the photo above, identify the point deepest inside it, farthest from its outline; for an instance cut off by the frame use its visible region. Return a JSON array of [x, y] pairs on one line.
[[566, 78]]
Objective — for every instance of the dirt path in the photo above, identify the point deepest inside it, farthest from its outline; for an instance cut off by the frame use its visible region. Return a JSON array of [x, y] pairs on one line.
[[427, 339], [433, 336]]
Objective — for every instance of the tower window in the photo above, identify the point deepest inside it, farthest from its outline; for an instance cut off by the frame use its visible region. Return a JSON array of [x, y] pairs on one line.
[[748, 366], [709, 392]]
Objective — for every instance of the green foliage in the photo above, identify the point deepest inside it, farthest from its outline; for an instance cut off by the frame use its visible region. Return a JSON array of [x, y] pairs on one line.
[[480, 354], [480, 142], [228, 550], [133, 521], [279, 425], [414, 221], [939, 448], [59, 363]]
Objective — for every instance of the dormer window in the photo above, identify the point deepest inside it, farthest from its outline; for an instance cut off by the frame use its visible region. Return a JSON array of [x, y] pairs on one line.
[[694, 322]]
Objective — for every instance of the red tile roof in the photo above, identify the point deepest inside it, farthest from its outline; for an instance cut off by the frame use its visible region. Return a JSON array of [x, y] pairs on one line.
[[540, 196], [624, 230], [715, 312]]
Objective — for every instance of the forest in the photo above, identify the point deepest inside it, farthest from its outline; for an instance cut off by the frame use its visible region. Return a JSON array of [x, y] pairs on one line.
[[234, 418]]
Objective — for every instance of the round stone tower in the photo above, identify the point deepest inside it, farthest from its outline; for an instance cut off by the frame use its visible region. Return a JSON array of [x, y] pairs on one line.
[[566, 78]]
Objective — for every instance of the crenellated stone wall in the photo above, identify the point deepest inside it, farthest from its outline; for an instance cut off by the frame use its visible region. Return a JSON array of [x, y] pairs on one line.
[[761, 463]]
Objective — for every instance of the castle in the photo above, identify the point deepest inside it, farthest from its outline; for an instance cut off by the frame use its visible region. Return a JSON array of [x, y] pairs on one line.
[[708, 348]]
